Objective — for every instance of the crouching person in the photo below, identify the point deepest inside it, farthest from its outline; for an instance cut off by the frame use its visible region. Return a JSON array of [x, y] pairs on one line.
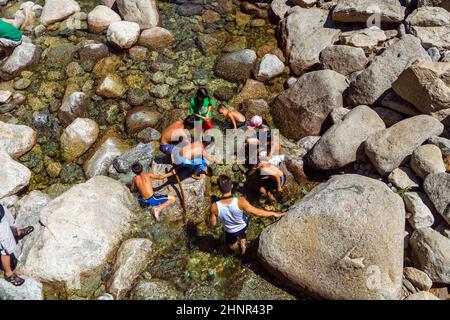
[[143, 182], [10, 38], [9, 236], [231, 211]]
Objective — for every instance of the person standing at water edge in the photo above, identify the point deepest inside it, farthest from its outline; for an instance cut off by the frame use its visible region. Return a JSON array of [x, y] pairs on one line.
[[231, 212], [143, 182], [9, 236], [201, 108], [10, 37]]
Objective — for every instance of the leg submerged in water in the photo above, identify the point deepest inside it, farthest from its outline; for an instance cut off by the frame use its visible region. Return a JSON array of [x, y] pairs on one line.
[[157, 210]]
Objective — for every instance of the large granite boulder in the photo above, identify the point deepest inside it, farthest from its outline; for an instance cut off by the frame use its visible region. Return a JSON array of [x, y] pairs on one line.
[[390, 148], [343, 59], [132, 259], [341, 144], [437, 187], [372, 84], [389, 11], [431, 25], [344, 240], [304, 36], [302, 109], [82, 228], [430, 252], [422, 86]]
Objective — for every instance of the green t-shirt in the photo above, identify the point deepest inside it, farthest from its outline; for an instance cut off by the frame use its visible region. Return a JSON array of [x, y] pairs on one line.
[[8, 31], [201, 109]]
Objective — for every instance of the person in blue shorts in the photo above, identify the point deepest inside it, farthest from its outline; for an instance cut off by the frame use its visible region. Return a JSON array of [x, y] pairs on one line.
[[148, 198], [193, 156]]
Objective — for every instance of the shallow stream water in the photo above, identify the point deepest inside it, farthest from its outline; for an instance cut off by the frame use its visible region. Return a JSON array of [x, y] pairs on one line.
[[192, 258]]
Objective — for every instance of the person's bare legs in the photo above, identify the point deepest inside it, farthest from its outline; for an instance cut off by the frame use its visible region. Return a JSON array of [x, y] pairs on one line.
[[6, 264], [243, 243], [197, 176], [234, 247], [157, 210]]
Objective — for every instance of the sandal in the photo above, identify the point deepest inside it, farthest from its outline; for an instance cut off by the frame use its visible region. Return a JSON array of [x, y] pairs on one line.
[[15, 280], [24, 232]]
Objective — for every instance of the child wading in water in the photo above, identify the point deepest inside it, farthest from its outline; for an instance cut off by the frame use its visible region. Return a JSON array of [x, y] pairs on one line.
[[231, 212], [237, 119], [143, 182], [201, 108]]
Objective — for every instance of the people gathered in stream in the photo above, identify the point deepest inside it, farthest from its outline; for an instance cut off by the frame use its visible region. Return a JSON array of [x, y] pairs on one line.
[[191, 153]]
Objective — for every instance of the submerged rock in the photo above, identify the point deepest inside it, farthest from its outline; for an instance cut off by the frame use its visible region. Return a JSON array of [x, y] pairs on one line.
[[23, 56], [143, 12], [156, 38], [236, 66], [78, 137], [16, 140], [155, 289], [323, 245]]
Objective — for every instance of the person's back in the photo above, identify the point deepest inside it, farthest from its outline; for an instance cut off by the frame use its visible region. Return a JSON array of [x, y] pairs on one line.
[[172, 132], [143, 182], [231, 215], [8, 31]]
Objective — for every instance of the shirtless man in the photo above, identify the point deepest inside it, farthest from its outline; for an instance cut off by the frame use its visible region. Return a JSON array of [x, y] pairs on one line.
[[174, 133], [237, 119], [272, 180], [192, 156], [143, 182]]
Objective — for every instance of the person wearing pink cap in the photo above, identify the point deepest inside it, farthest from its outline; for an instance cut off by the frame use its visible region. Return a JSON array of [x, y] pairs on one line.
[[256, 123]]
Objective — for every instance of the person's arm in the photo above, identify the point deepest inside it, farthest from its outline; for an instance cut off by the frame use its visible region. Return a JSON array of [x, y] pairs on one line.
[[248, 208], [213, 215], [192, 107], [208, 114], [162, 177], [133, 185], [233, 121]]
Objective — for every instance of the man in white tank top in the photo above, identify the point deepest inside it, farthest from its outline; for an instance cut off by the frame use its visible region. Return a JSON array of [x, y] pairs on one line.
[[231, 212]]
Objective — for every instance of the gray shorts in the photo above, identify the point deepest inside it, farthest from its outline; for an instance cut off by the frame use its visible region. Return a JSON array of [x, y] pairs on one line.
[[8, 43]]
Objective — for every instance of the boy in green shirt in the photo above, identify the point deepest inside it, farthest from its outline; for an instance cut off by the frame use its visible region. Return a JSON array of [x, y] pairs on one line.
[[201, 108], [10, 37]]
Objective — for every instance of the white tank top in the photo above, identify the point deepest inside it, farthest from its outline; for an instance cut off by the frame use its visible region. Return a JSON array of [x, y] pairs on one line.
[[232, 217]]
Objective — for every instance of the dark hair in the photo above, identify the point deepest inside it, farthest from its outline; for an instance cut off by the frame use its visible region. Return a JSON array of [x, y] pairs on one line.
[[137, 168], [207, 142], [202, 93], [221, 107], [189, 122], [225, 184]]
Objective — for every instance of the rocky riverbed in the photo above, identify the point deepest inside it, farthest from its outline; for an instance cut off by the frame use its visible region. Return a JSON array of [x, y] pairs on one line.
[[363, 112]]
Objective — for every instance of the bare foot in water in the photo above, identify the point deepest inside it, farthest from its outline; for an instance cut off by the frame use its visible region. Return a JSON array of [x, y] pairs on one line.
[[157, 214]]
